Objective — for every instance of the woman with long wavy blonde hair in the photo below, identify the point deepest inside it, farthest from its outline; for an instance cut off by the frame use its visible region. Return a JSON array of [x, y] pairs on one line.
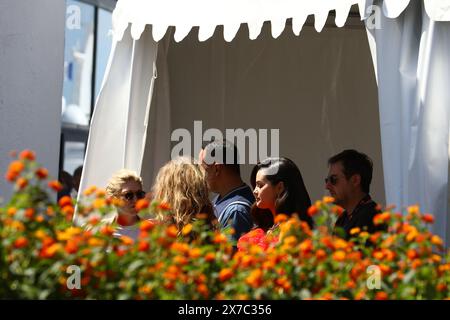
[[181, 184]]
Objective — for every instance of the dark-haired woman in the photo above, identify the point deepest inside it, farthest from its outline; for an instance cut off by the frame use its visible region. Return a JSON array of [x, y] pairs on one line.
[[279, 189]]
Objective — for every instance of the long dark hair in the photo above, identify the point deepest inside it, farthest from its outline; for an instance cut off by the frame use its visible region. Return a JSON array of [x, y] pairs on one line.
[[294, 198]]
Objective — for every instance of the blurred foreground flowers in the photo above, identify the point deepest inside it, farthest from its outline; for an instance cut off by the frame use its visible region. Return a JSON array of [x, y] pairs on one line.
[[42, 253]]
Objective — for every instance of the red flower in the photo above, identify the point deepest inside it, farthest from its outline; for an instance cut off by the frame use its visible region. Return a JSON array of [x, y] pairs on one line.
[[20, 242], [21, 183], [256, 237], [141, 204], [143, 246], [65, 201], [428, 218], [313, 210], [55, 185], [41, 173], [27, 154]]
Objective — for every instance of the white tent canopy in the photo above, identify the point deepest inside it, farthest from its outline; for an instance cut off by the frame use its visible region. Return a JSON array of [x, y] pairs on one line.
[[408, 126], [208, 14]]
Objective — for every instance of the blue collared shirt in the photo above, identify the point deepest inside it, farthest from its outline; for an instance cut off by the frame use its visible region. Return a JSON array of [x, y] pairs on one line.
[[233, 210]]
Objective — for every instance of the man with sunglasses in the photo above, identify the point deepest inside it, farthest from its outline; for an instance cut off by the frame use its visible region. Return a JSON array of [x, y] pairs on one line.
[[348, 181]]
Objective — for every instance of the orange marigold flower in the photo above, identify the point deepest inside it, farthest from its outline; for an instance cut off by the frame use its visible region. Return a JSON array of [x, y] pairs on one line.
[[436, 258], [337, 210], [96, 242], [65, 201], [279, 218], [29, 213], [195, 253], [146, 225], [89, 190], [99, 203], [21, 183], [50, 251], [436, 240], [321, 254], [71, 247], [172, 231], [412, 254], [354, 231], [126, 240], [428, 218], [340, 244], [220, 238], [381, 295], [416, 263], [225, 274], [164, 206], [210, 256], [68, 211], [11, 176], [55, 185], [441, 287], [143, 246], [186, 229], [312, 211], [20, 242], [255, 278], [16, 167], [306, 246], [107, 230], [381, 218], [94, 220], [379, 255], [142, 204], [41, 173], [413, 210], [339, 256], [11, 211], [203, 290], [27, 155], [328, 199]]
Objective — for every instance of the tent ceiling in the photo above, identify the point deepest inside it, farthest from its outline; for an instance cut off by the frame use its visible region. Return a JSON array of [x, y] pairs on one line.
[[208, 14]]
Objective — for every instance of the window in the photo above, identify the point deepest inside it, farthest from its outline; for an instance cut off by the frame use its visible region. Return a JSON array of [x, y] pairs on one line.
[[88, 41]]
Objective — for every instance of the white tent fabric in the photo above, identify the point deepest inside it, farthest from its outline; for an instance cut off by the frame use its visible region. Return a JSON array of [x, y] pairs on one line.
[[413, 68], [119, 124], [208, 14]]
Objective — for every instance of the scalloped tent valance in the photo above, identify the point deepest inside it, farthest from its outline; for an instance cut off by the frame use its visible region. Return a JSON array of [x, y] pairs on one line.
[[208, 14]]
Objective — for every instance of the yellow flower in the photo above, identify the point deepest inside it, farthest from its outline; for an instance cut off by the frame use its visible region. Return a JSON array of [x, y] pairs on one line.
[[339, 256], [186, 229], [355, 231], [328, 199], [436, 240], [413, 210]]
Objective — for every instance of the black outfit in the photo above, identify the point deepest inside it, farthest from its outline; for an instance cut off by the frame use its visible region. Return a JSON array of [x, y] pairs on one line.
[[361, 217]]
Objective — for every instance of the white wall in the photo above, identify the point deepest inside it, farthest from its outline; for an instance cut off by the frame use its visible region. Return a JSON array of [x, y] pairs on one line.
[[31, 78]]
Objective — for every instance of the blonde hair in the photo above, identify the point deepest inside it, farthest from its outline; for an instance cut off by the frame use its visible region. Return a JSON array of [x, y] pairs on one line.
[[120, 177], [181, 184]]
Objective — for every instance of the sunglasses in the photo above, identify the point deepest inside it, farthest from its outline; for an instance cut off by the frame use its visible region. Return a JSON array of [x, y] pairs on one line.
[[333, 179], [130, 195]]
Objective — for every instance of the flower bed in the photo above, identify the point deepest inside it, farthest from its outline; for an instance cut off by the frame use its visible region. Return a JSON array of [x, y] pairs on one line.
[[42, 254]]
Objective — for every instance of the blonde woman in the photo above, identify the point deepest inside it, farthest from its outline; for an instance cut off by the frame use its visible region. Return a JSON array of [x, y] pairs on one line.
[[126, 186], [182, 185]]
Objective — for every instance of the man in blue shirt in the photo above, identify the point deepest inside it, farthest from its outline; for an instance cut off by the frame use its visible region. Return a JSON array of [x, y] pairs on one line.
[[234, 198]]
